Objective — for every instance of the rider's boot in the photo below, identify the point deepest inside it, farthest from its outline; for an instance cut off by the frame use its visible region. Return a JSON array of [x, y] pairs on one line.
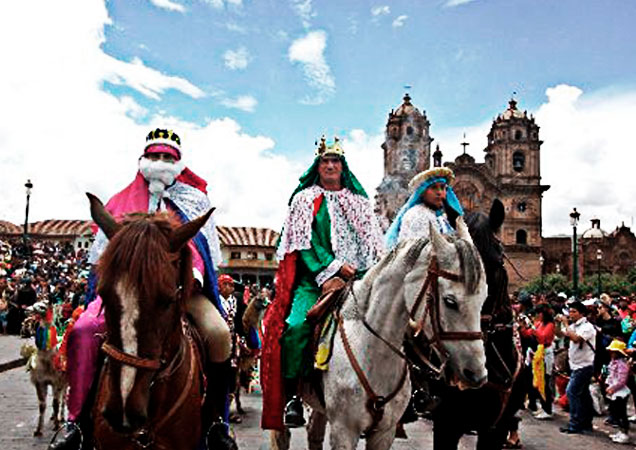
[[69, 437], [294, 413], [216, 406]]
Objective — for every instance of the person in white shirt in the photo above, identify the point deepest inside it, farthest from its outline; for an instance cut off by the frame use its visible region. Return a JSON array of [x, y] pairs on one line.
[[582, 336]]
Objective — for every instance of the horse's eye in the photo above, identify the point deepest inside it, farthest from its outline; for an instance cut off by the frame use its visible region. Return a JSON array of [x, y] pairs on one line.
[[451, 302]]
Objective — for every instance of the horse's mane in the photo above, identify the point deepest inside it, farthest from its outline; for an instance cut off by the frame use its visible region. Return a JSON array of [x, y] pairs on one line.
[[140, 250]]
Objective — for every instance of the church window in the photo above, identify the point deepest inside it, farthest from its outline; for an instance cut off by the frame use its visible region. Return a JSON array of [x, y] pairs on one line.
[[522, 206], [518, 161], [409, 130], [521, 237], [518, 135]]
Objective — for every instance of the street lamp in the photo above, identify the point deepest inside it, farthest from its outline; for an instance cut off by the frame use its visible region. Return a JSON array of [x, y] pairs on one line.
[[28, 185], [574, 221], [599, 257], [541, 261]]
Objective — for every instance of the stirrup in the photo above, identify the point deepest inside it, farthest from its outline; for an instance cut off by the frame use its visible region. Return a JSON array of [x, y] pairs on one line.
[[218, 437], [294, 413], [65, 427]]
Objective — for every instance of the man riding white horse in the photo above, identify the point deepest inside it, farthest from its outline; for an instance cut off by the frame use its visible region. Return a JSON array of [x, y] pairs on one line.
[[432, 201], [330, 233], [163, 183]]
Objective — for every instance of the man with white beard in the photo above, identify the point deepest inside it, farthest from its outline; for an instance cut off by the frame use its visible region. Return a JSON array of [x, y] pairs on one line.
[[163, 183]]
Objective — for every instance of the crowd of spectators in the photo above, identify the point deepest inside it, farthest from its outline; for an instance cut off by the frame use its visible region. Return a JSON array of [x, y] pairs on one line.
[[582, 353], [39, 271]]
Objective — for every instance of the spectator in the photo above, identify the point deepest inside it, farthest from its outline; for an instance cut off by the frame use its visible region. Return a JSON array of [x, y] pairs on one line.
[[582, 335], [543, 331], [617, 390]]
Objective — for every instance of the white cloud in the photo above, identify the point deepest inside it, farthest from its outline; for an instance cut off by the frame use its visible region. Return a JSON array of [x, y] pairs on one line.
[[146, 80], [380, 10], [452, 3], [59, 127], [169, 5], [365, 158], [399, 21], [233, 26], [236, 59], [309, 52], [304, 10], [221, 3], [587, 156], [245, 103]]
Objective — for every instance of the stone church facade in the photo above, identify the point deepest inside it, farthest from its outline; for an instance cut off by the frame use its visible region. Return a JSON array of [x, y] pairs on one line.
[[510, 172]]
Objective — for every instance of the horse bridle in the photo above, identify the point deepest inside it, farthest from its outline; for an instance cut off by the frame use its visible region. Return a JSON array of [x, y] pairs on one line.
[[375, 404], [143, 436]]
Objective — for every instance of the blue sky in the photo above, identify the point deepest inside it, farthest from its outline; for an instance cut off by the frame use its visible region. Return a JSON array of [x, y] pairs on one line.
[[250, 84]]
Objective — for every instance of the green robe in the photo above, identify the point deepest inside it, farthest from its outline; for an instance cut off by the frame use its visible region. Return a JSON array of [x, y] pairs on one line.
[[296, 360]]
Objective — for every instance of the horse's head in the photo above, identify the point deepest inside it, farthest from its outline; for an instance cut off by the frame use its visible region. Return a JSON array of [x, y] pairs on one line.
[[145, 275], [450, 313], [483, 229], [255, 311]]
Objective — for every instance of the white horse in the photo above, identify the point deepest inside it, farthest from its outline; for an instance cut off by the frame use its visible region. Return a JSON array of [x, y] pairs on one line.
[[436, 288]]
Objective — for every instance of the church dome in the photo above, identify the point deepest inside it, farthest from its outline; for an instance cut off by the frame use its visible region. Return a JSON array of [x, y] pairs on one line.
[[512, 111], [406, 108], [595, 232]]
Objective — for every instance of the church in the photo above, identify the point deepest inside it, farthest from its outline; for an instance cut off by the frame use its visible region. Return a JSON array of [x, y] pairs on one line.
[[510, 172]]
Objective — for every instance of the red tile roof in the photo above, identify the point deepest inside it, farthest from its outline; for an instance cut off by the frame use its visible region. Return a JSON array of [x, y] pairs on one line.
[[247, 236]]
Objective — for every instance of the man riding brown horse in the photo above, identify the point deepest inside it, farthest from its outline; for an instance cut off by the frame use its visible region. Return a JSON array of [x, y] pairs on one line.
[[163, 183]]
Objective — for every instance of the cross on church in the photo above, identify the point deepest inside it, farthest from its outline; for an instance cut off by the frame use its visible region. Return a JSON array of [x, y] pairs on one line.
[[465, 144]]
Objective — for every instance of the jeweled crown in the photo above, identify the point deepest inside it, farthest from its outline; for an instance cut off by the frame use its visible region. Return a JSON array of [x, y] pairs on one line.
[[324, 149], [161, 136]]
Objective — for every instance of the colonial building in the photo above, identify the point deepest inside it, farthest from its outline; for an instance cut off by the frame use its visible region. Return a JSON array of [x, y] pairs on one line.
[[598, 252], [249, 254], [510, 172], [407, 151]]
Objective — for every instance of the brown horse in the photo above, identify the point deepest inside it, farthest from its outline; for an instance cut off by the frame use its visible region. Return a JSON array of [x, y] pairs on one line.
[[150, 389]]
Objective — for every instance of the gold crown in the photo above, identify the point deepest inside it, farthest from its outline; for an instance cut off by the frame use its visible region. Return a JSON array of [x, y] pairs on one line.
[[322, 149], [161, 136]]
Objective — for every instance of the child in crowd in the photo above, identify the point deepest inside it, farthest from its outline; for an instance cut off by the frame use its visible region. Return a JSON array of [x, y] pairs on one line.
[[617, 391]]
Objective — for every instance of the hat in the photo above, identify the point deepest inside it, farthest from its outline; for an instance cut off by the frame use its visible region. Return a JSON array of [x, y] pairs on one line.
[[163, 141], [606, 299], [225, 279], [322, 149], [429, 176], [617, 346]]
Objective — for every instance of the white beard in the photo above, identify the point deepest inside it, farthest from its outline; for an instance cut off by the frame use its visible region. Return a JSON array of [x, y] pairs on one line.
[[159, 175]]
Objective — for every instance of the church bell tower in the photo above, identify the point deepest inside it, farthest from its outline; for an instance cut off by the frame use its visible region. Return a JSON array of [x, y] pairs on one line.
[[407, 151]]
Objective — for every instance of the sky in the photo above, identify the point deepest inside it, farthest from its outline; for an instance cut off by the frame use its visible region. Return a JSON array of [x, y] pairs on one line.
[[249, 85]]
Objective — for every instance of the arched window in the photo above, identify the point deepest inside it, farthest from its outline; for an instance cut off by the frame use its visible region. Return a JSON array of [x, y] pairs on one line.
[[521, 237], [409, 130], [518, 135], [518, 161]]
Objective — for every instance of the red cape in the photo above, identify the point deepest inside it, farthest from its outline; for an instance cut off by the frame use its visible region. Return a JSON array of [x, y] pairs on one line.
[[274, 324]]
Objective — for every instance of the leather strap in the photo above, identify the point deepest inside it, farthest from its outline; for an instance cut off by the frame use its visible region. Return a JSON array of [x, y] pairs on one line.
[[375, 403], [130, 360]]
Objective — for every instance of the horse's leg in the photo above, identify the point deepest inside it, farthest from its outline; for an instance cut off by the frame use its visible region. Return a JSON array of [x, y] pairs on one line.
[[58, 392], [40, 388], [342, 437], [446, 434], [316, 429], [279, 440], [382, 439]]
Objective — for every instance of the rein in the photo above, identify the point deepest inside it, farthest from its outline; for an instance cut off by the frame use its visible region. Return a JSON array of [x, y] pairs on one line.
[[376, 403]]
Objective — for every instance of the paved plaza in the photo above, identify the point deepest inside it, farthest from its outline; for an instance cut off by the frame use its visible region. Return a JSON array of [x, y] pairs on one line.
[[18, 414]]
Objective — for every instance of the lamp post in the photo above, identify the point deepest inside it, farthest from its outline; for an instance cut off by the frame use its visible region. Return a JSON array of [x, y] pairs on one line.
[[541, 261], [28, 185], [599, 257], [574, 221]]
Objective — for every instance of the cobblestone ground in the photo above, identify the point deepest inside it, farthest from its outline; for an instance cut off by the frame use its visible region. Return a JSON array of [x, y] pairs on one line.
[[18, 414]]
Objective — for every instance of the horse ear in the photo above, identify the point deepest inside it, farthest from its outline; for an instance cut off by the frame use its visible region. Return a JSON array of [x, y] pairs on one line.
[[102, 218], [440, 245], [462, 230], [187, 231], [497, 215]]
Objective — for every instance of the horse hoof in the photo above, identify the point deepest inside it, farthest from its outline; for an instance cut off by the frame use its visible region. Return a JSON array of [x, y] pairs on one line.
[[37, 433]]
